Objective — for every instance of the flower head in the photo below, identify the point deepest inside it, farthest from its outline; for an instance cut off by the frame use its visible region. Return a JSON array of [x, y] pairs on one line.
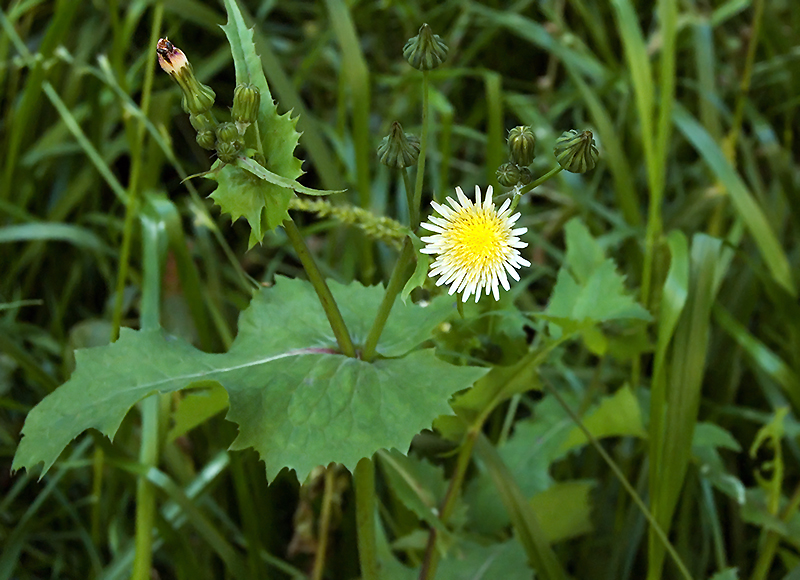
[[477, 245]]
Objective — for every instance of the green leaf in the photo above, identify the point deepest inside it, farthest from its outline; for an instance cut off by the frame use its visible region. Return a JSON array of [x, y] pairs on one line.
[[251, 166], [564, 510], [584, 254], [296, 400], [616, 416], [417, 279], [420, 486], [240, 193], [196, 408], [601, 299], [712, 435], [472, 561]]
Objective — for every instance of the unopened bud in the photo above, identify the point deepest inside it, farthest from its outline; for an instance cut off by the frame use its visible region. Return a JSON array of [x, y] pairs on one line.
[[426, 51], [203, 122], [399, 149], [227, 133], [197, 98], [576, 152], [246, 100], [521, 145], [525, 176], [227, 151], [508, 174], [206, 140]]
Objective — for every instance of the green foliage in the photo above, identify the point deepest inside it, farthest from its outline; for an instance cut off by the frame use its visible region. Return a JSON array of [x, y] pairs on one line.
[[674, 261], [296, 401]]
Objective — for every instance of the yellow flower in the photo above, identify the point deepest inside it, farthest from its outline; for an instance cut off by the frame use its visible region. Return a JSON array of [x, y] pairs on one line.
[[476, 245]]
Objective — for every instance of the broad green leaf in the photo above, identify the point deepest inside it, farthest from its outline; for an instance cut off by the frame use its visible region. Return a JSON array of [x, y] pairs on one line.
[[240, 193], [565, 510], [601, 299], [584, 254], [295, 399]]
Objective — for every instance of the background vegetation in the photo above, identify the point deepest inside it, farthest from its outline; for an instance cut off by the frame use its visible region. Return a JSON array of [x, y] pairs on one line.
[[693, 105]]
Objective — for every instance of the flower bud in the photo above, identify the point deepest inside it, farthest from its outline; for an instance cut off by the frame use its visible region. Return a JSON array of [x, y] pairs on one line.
[[508, 174], [521, 145], [525, 176], [203, 122], [246, 100], [399, 149], [197, 97], [206, 139], [576, 152], [227, 151], [227, 133], [426, 51]]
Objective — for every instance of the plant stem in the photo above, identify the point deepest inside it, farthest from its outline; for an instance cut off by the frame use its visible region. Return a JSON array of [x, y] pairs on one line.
[[431, 561], [324, 523], [364, 480], [423, 149], [532, 185], [413, 210], [396, 282], [323, 292]]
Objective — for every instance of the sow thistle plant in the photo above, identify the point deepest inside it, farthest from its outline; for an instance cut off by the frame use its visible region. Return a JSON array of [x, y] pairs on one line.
[[322, 372]]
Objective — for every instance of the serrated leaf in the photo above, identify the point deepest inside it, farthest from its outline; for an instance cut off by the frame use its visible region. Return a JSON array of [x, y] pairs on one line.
[[239, 193], [602, 298], [297, 401], [584, 254], [196, 408], [242, 194]]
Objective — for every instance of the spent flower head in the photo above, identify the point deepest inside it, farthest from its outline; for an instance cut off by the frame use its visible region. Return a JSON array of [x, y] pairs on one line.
[[197, 98], [477, 245]]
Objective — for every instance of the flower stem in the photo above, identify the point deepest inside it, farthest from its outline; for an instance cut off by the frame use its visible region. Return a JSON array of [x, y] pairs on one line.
[[413, 210], [423, 149], [323, 292], [536, 183], [364, 480], [396, 281], [324, 523], [533, 184]]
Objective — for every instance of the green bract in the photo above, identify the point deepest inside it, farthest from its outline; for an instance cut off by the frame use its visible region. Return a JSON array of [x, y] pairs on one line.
[[296, 400]]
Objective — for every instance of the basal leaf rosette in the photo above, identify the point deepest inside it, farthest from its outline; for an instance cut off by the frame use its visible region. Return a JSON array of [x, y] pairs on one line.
[[296, 399]]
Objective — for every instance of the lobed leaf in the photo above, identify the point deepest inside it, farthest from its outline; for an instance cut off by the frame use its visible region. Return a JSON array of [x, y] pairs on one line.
[[296, 400]]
